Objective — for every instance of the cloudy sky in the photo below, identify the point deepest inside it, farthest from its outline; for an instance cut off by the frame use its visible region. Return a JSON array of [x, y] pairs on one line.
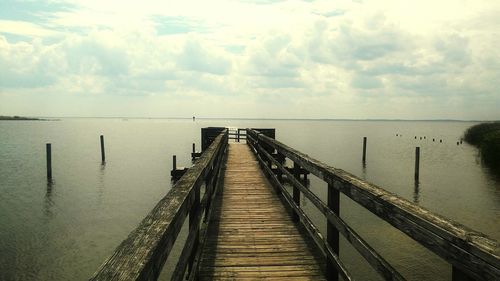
[[427, 59]]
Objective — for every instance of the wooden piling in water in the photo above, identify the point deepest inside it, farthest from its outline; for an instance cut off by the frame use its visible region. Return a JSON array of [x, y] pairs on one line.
[[194, 154], [417, 162], [48, 150], [364, 149], [103, 154], [174, 162]]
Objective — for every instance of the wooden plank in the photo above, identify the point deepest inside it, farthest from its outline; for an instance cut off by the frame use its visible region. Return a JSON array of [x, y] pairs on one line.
[[252, 236]]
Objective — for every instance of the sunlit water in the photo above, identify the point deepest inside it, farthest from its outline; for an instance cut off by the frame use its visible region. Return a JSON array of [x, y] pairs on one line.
[[65, 230]]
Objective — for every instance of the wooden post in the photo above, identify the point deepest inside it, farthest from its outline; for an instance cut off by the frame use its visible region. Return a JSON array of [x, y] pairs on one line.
[[238, 134], [174, 163], [364, 149], [209, 189], [279, 173], [103, 154], [48, 150], [193, 213], [296, 191], [194, 147], [417, 162], [332, 233]]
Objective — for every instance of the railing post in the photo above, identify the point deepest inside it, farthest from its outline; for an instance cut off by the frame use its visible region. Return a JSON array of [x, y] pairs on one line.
[[332, 233], [208, 189], [270, 164], [193, 214], [279, 173], [174, 163], [238, 135], [296, 191]]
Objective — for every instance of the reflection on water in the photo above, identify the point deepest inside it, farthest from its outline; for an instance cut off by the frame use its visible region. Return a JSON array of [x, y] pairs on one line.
[[363, 170], [101, 183], [65, 229], [416, 192], [49, 203]]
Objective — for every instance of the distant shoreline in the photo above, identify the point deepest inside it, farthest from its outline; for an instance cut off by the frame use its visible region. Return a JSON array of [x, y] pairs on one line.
[[52, 118], [268, 119], [20, 118]]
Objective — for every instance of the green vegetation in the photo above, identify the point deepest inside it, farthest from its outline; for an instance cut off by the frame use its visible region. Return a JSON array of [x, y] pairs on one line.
[[486, 136]]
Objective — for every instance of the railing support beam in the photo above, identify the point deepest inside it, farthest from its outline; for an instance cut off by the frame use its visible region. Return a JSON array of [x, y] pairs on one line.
[[296, 191], [332, 233]]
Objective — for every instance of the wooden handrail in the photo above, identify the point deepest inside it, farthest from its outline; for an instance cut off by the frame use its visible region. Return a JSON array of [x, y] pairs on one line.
[[467, 250], [142, 254]]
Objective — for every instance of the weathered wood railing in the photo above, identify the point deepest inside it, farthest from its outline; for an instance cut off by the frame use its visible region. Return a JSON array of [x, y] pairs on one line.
[[472, 254], [236, 135], [142, 255]]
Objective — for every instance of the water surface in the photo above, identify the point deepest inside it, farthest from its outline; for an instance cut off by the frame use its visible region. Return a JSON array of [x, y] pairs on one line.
[[65, 229]]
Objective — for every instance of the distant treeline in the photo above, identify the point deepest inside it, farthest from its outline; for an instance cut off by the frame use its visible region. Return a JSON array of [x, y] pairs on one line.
[[486, 136], [17, 118]]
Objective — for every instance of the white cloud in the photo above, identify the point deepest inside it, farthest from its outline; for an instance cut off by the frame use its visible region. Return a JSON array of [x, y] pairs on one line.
[[379, 59], [25, 29]]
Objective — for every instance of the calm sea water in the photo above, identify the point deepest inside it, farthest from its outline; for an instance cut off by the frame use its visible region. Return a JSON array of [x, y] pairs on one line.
[[65, 230]]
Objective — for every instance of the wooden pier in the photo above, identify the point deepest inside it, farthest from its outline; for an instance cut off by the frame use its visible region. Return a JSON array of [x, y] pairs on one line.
[[246, 221], [252, 235]]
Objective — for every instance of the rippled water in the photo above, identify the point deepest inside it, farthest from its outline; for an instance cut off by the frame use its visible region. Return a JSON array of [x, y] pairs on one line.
[[66, 229]]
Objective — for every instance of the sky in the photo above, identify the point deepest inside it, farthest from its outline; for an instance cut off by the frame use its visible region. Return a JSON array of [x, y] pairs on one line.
[[376, 59]]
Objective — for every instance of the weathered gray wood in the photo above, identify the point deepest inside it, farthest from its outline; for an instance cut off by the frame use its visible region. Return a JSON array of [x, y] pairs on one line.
[[187, 255], [373, 258], [471, 251], [332, 233], [194, 223], [241, 233], [209, 197], [48, 152], [141, 256], [307, 223], [296, 191]]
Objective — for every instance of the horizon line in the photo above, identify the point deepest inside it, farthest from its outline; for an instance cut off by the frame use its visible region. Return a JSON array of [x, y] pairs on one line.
[[256, 118]]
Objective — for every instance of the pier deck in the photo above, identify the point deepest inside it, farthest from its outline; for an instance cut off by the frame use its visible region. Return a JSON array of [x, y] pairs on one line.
[[240, 230], [251, 235]]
